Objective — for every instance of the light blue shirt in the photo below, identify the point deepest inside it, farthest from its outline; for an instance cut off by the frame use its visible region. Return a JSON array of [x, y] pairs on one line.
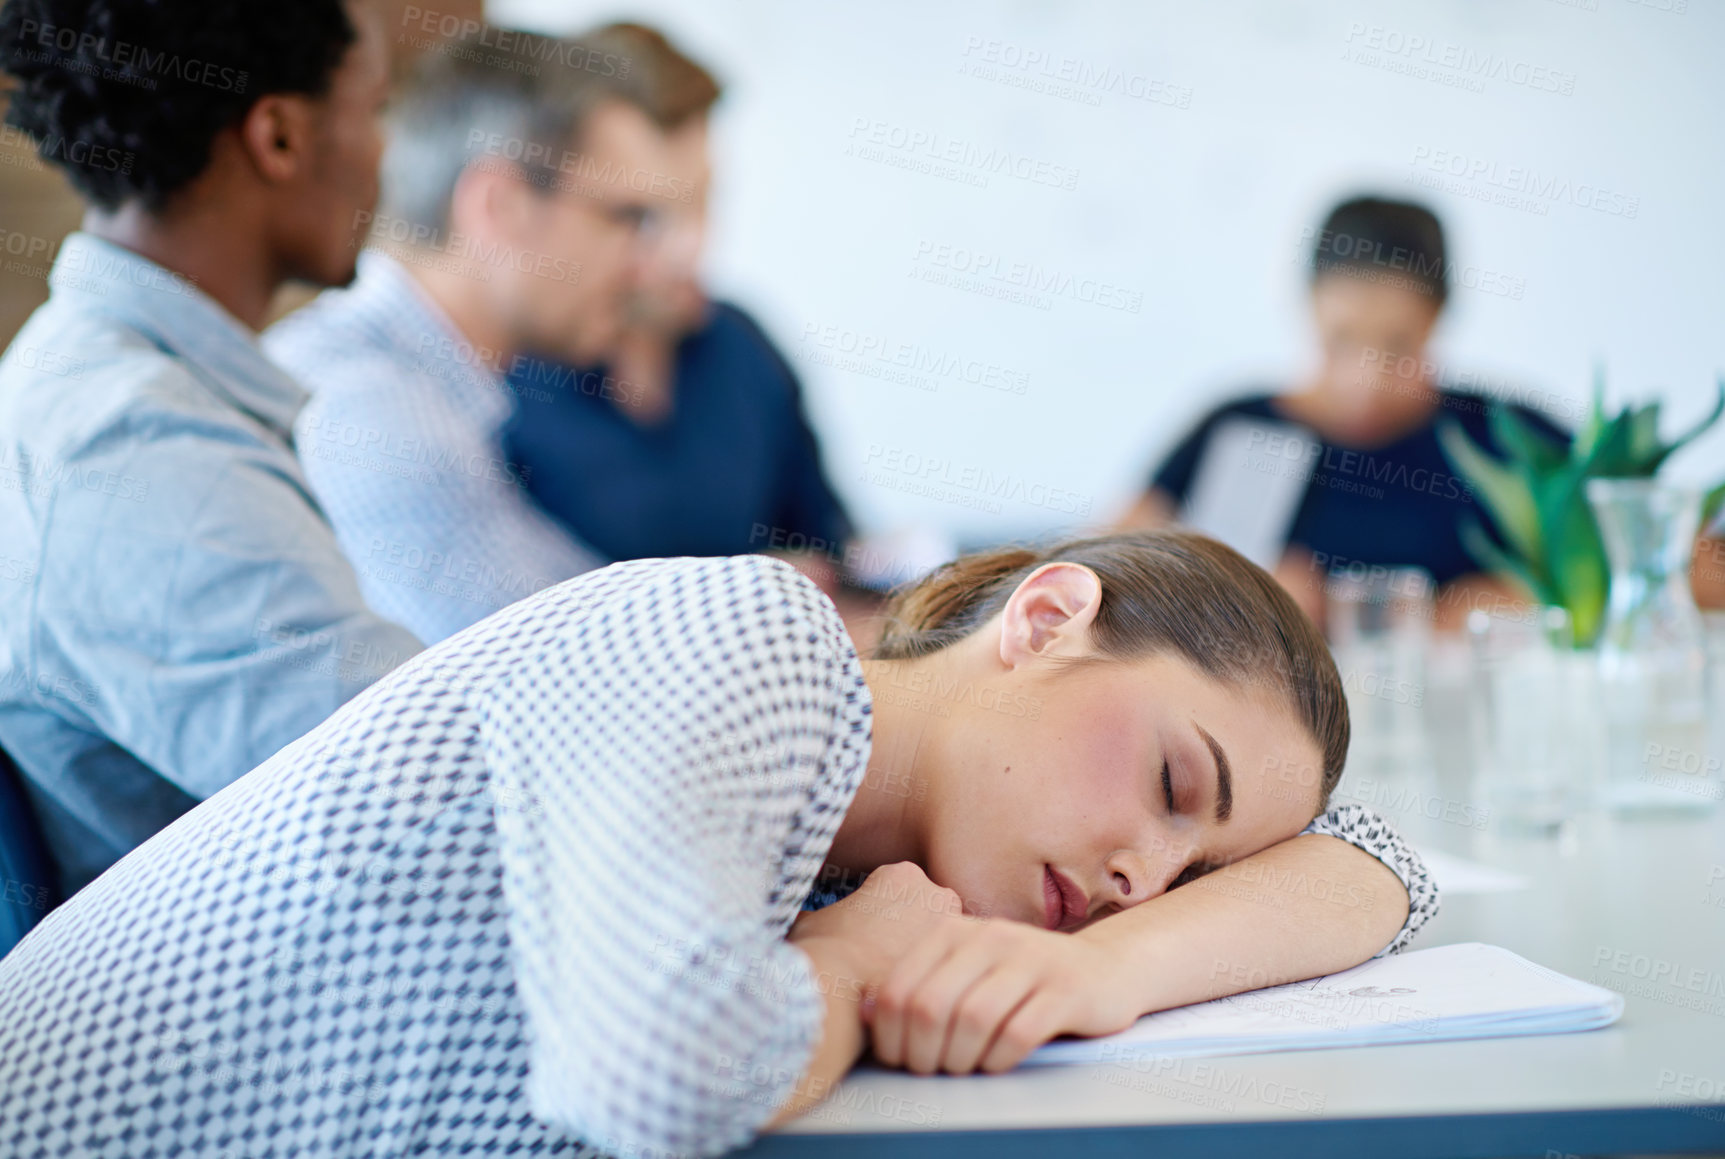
[[174, 607], [402, 443]]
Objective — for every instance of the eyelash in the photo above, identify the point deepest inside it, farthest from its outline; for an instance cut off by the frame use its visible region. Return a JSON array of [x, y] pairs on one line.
[[1191, 872]]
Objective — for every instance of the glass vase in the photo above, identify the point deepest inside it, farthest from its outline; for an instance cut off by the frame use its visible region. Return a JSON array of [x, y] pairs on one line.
[[1652, 653]]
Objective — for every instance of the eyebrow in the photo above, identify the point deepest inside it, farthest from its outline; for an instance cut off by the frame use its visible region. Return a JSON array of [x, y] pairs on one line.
[[1224, 777]]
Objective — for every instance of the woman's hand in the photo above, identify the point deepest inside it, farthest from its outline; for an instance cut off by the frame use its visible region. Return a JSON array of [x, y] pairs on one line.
[[981, 994], [852, 946], [892, 911], [945, 992]]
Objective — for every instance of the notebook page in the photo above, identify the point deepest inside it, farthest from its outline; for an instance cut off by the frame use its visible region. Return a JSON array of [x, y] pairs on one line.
[[1469, 990]]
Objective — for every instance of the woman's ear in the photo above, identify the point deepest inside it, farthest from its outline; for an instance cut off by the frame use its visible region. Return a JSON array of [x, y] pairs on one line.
[[1050, 614]]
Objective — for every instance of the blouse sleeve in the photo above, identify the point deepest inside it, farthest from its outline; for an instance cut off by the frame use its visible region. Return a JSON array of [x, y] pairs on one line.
[[1365, 829], [665, 742]]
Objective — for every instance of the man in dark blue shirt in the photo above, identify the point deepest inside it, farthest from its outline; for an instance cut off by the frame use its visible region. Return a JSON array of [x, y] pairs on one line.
[[692, 439], [732, 468]]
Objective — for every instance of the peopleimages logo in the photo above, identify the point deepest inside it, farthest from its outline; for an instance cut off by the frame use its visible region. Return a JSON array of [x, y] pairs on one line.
[[1517, 186], [547, 168], [1068, 77], [470, 34], [980, 268], [939, 150], [1413, 48], [25, 245], [1335, 467], [71, 151], [916, 358], [481, 254], [940, 477]]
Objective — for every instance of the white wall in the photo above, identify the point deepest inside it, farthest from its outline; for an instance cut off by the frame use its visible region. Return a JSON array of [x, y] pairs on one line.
[[1197, 210]]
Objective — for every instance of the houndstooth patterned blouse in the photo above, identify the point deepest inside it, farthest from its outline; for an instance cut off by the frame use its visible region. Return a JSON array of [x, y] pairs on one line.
[[527, 895]]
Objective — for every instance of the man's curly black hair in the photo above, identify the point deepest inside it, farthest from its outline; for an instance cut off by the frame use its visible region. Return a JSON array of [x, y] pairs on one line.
[[126, 96]]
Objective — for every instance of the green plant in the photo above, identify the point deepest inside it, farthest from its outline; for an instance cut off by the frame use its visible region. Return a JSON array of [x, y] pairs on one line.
[[1537, 499]]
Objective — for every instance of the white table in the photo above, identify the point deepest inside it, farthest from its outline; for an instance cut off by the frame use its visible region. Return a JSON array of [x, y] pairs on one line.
[[1606, 902]]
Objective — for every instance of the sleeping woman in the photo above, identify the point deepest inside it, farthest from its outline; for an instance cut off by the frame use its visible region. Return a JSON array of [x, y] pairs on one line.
[[645, 862]]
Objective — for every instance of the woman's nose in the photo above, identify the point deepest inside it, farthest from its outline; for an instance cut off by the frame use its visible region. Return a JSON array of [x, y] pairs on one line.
[[1130, 879], [1135, 876]]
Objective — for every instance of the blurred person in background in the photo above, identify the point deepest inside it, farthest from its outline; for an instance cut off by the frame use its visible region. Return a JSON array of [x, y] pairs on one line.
[[1354, 439], [411, 30], [689, 436], [183, 609], [513, 198]]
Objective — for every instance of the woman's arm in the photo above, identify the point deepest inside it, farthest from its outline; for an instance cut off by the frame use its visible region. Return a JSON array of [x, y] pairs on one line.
[[842, 1035], [852, 947], [984, 996], [1707, 571], [1308, 906], [654, 774], [1152, 509]]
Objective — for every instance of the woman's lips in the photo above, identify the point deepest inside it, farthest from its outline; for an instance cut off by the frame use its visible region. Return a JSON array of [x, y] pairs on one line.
[[1053, 904], [1063, 903]]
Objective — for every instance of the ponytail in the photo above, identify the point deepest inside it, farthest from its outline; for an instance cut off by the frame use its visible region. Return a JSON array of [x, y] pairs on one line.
[[939, 609]]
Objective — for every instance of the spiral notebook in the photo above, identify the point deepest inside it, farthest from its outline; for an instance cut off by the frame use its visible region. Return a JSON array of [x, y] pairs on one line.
[[1468, 990]]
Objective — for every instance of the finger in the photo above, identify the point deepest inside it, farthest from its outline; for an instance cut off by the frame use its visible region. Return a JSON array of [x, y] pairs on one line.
[[887, 1023], [982, 1012], [1039, 1019], [934, 1004]]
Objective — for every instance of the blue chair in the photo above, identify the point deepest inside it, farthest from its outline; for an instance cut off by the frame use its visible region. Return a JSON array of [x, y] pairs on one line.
[[26, 873]]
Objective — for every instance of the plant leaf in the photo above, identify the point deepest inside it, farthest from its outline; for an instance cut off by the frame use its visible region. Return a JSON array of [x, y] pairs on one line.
[[1591, 429], [1506, 494], [1495, 559], [1644, 437], [1575, 562], [1694, 431], [1523, 441], [1711, 502], [1609, 457]]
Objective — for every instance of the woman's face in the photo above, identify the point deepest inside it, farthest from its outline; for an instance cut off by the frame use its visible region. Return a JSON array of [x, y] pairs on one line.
[[1081, 790], [1372, 335]]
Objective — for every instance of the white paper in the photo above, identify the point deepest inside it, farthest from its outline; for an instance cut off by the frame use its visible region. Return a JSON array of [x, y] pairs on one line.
[[1467, 990], [1249, 484]]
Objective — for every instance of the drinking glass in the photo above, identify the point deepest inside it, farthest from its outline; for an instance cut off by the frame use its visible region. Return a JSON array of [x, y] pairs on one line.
[[1535, 719], [1379, 621]]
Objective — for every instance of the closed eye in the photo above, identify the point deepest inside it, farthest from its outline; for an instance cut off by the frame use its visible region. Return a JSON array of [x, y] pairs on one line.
[[1167, 787]]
